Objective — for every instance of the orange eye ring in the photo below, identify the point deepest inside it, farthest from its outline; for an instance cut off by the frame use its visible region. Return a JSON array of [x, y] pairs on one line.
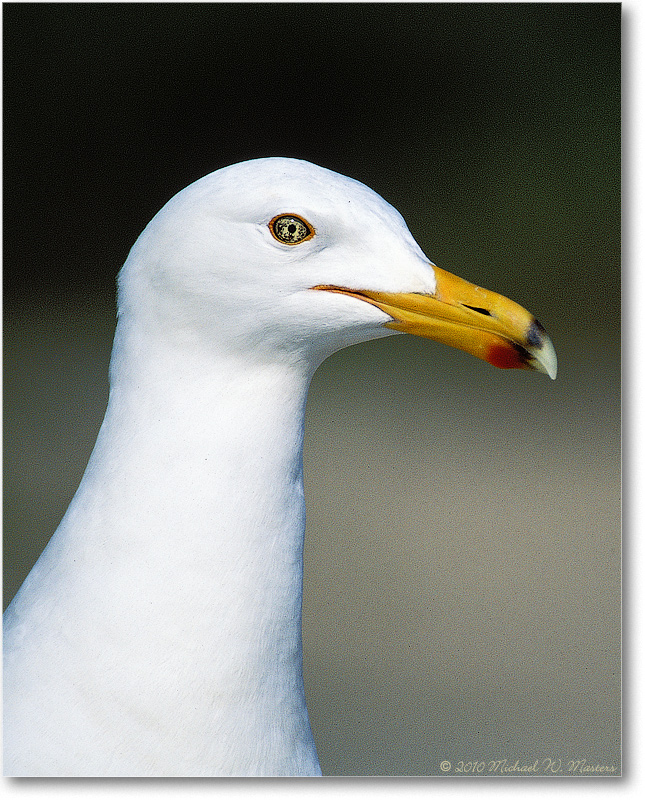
[[291, 229]]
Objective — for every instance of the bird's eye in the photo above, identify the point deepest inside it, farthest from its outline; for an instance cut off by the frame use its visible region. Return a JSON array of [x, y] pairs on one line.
[[290, 229]]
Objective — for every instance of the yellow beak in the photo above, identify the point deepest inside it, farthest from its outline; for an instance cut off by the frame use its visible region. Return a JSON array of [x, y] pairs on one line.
[[462, 315]]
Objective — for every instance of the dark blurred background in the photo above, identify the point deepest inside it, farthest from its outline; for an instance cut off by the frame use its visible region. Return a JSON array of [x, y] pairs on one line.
[[462, 555]]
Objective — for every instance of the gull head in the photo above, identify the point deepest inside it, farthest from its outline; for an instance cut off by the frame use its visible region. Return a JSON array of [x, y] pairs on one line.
[[281, 259]]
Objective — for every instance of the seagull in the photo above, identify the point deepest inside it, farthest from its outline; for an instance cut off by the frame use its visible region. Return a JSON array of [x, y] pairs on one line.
[[159, 633]]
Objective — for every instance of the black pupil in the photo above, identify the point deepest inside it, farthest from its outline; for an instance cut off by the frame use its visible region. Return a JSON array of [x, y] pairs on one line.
[[290, 230]]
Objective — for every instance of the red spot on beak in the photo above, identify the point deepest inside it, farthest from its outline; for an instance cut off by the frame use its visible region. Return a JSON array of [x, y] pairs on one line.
[[505, 356]]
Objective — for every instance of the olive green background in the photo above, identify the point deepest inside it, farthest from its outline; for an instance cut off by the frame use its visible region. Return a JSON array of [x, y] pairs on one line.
[[463, 534]]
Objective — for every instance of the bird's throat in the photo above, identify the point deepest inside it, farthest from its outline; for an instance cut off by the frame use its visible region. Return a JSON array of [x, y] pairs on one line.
[[187, 536]]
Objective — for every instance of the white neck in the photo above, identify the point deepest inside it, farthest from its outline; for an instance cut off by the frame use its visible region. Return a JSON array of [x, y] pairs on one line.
[[183, 548]]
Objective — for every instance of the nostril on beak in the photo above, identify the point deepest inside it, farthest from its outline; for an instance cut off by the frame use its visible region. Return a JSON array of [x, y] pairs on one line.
[[483, 311]]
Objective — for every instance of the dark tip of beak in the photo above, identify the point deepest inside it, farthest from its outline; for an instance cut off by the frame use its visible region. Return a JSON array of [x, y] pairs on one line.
[[535, 335]]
